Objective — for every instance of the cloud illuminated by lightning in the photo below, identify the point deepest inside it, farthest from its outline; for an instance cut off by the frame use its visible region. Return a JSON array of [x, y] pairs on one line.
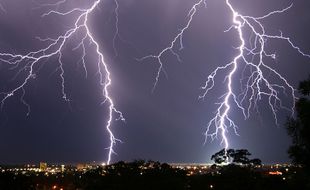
[[55, 48], [250, 59]]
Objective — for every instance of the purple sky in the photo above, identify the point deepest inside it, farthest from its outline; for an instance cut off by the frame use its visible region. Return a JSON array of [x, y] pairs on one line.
[[166, 125]]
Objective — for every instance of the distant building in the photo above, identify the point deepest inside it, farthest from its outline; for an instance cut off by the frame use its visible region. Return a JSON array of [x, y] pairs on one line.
[[43, 166]]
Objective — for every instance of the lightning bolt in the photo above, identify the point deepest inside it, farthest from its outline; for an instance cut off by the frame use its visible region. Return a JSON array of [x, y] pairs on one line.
[[171, 48], [28, 62], [251, 61], [257, 84]]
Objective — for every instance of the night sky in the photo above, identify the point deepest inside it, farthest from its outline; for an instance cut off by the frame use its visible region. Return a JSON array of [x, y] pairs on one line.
[[165, 125]]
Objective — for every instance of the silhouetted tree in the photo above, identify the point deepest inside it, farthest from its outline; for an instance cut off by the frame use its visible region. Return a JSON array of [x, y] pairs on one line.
[[239, 156], [299, 128], [220, 157], [256, 162], [304, 87]]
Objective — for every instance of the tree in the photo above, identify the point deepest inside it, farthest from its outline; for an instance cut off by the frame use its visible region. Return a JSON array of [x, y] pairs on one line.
[[220, 156], [299, 128], [239, 156], [256, 162]]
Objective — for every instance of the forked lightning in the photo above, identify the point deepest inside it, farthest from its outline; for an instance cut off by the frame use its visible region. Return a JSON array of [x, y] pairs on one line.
[[55, 48], [252, 59]]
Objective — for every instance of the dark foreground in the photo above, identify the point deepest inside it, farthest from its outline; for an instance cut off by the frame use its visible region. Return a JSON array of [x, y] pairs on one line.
[[153, 175]]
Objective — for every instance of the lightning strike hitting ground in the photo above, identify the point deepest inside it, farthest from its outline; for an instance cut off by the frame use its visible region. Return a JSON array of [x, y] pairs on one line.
[[28, 62], [257, 84], [250, 61]]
